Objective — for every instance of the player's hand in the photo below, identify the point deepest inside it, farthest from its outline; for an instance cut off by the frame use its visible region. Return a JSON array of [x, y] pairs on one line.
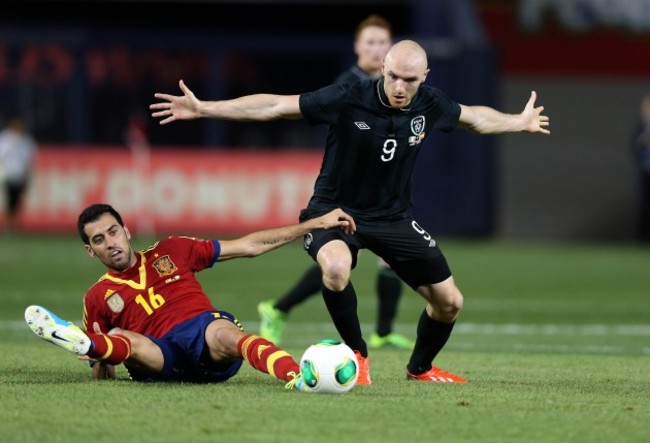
[[103, 371], [533, 119], [337, 219], [174, 107]]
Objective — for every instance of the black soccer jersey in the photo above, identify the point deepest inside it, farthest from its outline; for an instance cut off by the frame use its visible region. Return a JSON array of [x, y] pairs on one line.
[[371, 148], [352, 75]]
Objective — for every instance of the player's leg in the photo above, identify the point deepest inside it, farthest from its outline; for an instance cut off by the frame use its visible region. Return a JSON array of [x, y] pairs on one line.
[[336, 261], [416, 257], [389, 291], [15, 192], [112, 349], [644, 212], [273, 313], [227, 342], [444, 302], [146, 358]]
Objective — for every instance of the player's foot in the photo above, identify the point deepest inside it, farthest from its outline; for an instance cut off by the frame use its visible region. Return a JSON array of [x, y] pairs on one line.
[[436, 374], [296, 383], [393, 339], [364, 369], [271, 322], [57, 331]]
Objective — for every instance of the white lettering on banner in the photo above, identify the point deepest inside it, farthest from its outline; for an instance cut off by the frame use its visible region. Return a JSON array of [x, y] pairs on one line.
[[170, 193], [292, 188], [238, 194], [249, 196], [119, 190], [226, 195], [210, 196], [223, 196], [582, 15], [55, 191]]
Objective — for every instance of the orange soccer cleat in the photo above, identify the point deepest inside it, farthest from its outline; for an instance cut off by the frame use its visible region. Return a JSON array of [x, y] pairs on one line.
[[436, 374], [364, 370]]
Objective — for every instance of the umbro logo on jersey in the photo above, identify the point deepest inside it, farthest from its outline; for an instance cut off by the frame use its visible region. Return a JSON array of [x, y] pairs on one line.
[[362, 125]]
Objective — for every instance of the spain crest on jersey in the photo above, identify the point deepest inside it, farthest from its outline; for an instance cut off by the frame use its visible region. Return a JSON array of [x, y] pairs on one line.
[[417, 128], [164, 266]]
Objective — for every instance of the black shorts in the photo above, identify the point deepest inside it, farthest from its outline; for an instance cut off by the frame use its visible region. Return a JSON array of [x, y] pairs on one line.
[[409, 250]]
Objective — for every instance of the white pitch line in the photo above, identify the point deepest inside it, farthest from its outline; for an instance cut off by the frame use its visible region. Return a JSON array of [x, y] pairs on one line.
[[514, 329], [552, 329]]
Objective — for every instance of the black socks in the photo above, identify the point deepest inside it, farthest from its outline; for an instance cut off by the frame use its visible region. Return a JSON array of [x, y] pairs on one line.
[[432, 337], [342, 307]]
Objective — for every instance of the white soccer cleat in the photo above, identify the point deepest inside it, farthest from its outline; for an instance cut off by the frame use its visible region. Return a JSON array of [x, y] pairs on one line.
[[57, 331]]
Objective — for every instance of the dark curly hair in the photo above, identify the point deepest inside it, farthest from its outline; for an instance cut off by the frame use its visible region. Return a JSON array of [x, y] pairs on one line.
[[91, 214]]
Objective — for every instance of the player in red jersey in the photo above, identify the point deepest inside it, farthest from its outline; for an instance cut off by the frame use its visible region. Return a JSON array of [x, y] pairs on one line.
[[150, 312]]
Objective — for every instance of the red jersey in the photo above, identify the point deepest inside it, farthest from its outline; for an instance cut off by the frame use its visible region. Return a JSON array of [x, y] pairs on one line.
[[157, 293]]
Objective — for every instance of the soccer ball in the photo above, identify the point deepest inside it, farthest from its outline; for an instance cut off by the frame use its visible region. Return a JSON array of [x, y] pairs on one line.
[[330, 367]]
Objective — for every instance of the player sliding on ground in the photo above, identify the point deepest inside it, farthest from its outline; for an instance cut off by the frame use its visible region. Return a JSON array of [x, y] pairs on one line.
[[150, 312]]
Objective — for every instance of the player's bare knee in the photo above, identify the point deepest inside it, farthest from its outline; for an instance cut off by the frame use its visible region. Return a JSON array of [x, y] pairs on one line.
[[449, 307], [336, 274], [222, 337], [140, 345], [444, 300], [336, 278]]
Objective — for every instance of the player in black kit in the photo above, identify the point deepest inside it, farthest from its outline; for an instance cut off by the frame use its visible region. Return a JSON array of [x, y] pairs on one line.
[[376, 130], [372, 39]]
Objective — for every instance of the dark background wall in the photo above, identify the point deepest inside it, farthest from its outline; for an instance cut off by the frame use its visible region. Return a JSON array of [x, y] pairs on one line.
[[82, 71]]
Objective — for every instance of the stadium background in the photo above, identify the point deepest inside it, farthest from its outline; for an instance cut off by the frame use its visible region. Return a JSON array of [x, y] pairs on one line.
[[85, 72]]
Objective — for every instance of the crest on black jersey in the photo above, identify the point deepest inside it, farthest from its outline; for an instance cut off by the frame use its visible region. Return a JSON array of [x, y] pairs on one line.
[[417, 128], [309, 238], [417, 125]]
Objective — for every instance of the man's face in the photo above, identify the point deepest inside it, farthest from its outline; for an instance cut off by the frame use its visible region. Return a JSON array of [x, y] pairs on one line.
[[402, 78], [109, 242], [371, 47]]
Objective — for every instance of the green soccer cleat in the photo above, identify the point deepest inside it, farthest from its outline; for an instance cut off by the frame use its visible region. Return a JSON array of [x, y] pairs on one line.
[[393, 339], [57, 331], [271, 322]]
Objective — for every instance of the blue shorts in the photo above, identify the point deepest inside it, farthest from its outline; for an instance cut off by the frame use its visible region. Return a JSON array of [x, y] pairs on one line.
[[186, 354]]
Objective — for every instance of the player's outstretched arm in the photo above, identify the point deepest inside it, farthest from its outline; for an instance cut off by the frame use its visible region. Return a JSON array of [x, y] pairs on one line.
[[260, 242], [258, 107], [486, 120]]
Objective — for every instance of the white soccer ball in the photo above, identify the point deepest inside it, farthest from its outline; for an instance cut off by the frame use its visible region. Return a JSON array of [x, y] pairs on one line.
[[330, 367]]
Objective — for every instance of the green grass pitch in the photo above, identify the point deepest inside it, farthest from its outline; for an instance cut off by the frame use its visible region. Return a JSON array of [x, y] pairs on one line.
[[554, 338]]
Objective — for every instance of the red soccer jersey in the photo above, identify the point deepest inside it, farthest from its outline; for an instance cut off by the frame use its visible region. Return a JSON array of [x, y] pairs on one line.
[[157, 293]]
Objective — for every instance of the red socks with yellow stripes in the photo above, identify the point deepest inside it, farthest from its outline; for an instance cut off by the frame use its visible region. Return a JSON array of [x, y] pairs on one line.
[[266, 357], [110, 349], [261, 354]]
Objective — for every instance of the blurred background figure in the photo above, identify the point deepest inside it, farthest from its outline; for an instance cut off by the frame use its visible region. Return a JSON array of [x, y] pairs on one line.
[[17, 152], [641, 150]]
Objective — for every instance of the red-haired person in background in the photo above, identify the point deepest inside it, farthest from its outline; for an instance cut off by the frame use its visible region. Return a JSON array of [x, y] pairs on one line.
[[150, 312]]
